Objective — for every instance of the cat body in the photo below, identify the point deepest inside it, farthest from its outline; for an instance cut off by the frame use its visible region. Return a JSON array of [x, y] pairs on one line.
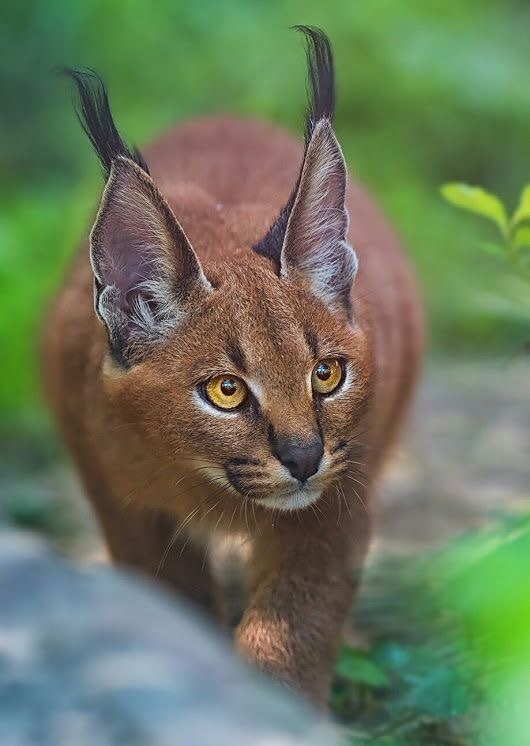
[[239, 377]]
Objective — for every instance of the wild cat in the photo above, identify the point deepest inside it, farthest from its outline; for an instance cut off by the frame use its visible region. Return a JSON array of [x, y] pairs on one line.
[[231, 355]]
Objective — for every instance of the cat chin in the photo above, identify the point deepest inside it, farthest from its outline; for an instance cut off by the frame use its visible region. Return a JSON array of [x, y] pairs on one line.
[[293, 501]]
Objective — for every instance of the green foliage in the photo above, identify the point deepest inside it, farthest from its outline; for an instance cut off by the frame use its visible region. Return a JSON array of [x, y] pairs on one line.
[[479, 201], [521, 238], [485, 582], [449, 650], [522, 212], [419, 691], [357, 667], [424, 692], [36, 239], [38, 510], [515, 235]]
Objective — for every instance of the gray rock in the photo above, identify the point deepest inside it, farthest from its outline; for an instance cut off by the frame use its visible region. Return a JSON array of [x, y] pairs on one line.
[[97, 658]]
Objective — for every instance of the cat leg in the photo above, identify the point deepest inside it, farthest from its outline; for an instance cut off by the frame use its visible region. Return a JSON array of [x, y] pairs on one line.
[[151, 543], [303, 580]]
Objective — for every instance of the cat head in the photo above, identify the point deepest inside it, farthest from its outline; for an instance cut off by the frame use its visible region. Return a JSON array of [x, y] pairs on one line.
[[255, 364]]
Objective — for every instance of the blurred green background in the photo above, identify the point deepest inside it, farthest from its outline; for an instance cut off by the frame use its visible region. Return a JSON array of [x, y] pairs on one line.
[[428, 93]]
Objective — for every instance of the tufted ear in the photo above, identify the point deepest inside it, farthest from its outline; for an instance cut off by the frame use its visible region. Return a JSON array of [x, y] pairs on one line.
[[145, 269], [308, 237], [315, 245]]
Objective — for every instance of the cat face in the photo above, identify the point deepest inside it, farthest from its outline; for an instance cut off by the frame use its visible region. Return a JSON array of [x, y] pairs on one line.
[[238, 386], [254, 365]]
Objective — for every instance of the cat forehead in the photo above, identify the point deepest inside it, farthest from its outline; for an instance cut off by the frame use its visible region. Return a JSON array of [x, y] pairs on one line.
[[251, 302], [255, 321], [258, 318]]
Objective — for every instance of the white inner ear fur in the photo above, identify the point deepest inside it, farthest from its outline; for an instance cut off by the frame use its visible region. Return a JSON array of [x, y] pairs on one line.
[[133, 254], [331, 271], [315, 240]]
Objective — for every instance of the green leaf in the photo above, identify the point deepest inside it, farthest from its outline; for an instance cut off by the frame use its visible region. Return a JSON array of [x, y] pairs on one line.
[[523, 208], [493, 248], [357, 667], [522, 237], [477, 200], [437, 691], [393, 655]]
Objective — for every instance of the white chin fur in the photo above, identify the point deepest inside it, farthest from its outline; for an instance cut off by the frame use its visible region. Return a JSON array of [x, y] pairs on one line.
[[294, 501]]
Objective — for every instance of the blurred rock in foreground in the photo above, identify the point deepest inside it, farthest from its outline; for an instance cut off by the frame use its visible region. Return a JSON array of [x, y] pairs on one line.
[[99, 659]]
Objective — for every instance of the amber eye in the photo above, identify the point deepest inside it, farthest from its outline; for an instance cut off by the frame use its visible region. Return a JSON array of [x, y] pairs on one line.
[[327, 374], [225, 392]]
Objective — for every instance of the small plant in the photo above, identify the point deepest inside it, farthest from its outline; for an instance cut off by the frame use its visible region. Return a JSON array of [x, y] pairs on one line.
[[448, 646], [514, 231], [415, 684]]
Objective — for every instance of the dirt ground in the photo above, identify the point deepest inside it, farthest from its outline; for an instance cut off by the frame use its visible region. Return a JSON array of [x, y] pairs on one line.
[[465, 456]]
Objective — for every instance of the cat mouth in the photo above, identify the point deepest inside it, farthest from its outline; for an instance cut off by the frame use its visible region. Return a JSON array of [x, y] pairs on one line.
[[286, 498], [296, 499]]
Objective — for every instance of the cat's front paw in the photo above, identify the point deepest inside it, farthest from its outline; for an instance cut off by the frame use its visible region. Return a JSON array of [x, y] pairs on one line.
[[268, 645]]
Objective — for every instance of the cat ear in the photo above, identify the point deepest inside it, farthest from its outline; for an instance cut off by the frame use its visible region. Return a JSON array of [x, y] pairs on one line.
[[145, 269], [315, 245]]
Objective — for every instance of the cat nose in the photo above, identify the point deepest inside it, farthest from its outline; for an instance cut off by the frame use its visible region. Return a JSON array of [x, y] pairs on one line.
[[302, 461]]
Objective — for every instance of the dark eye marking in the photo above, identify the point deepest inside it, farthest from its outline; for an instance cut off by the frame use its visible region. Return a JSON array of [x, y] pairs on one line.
[[312, 342], [271, 436], [236, 356]]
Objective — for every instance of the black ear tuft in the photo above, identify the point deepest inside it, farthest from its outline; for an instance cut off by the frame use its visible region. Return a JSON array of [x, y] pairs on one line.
[[321, 103], [95, 117], [320, 78]]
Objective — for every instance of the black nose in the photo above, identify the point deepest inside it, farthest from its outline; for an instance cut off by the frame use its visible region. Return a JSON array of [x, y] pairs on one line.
[[302, 460]]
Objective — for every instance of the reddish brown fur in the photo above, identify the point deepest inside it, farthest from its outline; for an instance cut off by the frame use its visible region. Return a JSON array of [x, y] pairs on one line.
[[141, 449]]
